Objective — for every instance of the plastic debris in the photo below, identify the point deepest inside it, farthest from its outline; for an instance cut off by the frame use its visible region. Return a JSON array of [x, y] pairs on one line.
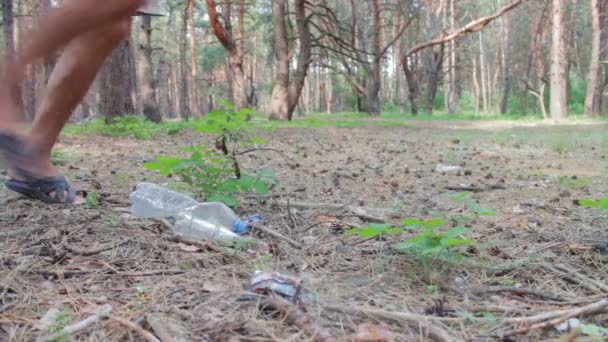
[[264, 282]]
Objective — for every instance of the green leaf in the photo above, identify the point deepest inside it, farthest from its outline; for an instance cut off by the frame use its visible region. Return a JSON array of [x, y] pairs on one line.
[[258, 141], [455, 232], [260, 187], [230, 201], [373, 230], [246, 183], [228, 186]]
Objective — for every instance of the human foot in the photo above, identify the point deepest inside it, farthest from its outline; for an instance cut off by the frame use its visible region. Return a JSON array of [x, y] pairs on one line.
[[33, 175]]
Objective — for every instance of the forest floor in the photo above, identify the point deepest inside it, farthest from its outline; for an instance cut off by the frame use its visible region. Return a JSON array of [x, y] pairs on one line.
[[536, 251]]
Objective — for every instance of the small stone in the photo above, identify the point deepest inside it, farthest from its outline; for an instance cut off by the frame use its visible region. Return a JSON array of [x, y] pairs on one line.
[[468, 172]]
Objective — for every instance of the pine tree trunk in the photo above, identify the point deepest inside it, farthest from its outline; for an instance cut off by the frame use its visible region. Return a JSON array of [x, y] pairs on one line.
[[147, 85], [504, 62], [593, 86], [184, 103], [279, 105], [559, 62], [116, 83]]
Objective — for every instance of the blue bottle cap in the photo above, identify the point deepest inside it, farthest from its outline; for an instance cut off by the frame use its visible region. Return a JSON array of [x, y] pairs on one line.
[[240, 226]]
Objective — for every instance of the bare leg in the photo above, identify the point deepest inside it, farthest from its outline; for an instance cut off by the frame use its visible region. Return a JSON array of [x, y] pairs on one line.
[[56, 29], [71, 79]]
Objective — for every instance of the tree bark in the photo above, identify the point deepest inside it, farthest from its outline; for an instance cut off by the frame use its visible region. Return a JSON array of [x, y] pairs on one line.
[[147, 85], [279, 103], [235, 57], [505, 63], [593, 79], [559, 62], [374, 80], [194, 98], [184, 103], [412, 84], [117, 83]]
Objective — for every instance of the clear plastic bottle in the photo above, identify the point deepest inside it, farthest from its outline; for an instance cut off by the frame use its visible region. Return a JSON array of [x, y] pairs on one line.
[[199, 221]]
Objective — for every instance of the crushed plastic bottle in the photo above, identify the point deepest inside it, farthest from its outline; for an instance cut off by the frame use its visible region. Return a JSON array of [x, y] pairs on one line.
[[199, 221]]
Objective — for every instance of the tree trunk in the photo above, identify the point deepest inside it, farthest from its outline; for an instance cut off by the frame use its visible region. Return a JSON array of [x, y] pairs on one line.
[[279, 104], [235, 57], [412, 84], [194, 96], [559, 62], [374, 80], [304, 56], [482, 71], [116, 85], [504, 62], [184, 107], [8, 25], [147, 86], [593, 83]]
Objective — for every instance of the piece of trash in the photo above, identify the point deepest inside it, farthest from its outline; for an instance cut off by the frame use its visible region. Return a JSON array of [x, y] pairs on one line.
[[447, 168], [264, 282], [198, 221], [569, 325], [370, 332], [188, 248]]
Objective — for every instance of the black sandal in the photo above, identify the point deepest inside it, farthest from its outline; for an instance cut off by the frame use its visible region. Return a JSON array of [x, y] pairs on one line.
[[50, 190]]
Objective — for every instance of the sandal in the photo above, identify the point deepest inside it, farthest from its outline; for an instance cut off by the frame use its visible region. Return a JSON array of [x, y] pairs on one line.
[[50, 190]]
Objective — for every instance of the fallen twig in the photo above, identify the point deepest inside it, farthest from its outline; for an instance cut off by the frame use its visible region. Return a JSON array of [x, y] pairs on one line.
[[362, 213], [414, 320], [582, 277], [298, 318], [141, 331], [554, 317], [200, 244], [475, 188], [278, 235], [570, 276], [396, 316], [149, 273], [515, 290], [91, 252], [103, 312]]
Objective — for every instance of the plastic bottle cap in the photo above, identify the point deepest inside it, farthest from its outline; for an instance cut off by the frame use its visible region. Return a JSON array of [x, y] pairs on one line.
[[240, 226]]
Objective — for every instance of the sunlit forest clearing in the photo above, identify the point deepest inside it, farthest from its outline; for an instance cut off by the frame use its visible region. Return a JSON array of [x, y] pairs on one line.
[[407, 170]]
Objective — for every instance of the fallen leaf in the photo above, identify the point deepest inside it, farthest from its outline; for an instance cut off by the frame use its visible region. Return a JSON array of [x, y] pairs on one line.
[[324, 218]]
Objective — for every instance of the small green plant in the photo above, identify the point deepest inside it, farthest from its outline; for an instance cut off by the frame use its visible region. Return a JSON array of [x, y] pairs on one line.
[[428, 245], [596, 332], [472, 209], [92, 200], [60, 321], [601, 204], [215, 174], [573, 182]]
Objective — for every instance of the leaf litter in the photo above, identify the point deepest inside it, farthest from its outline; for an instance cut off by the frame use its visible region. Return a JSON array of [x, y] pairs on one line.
[[532, 269]]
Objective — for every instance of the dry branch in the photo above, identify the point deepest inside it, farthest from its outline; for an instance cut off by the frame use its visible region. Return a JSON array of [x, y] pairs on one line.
[[472, 27], [278, 235], [517, 291], [357, 211], [103, 312], [555, 317], [98, 250], [141, 331]]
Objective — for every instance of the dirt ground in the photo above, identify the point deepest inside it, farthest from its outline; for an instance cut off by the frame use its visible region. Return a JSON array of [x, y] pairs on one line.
[[541, 253]]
